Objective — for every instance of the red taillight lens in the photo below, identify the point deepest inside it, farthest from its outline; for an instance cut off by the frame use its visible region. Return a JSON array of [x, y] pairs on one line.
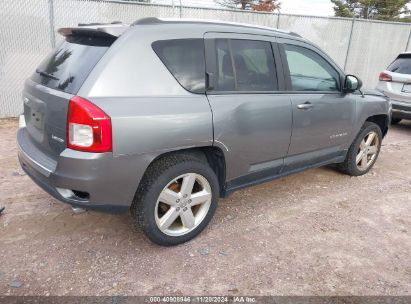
[[88, 127], [385, 77]]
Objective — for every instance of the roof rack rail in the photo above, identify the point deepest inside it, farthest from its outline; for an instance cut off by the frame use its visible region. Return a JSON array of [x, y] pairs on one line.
[[155, 20], [147, 20], [295, 34], [99, 23]]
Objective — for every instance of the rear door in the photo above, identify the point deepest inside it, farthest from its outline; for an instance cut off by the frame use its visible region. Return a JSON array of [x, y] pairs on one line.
[[251, 121], [323, 116], [58, 78]]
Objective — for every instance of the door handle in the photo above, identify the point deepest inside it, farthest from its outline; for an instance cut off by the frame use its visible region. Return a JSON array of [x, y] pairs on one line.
[[305, 106]]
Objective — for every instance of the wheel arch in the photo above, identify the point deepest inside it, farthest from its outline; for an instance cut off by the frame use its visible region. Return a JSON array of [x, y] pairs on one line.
[[381, 120], [213, 155]]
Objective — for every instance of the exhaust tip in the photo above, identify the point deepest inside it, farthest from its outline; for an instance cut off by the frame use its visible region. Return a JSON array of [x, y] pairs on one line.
[[78, 210], [73, 194]]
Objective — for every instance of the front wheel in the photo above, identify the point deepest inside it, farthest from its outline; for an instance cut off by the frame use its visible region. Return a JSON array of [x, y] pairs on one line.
[[176, 199], [364, 151]]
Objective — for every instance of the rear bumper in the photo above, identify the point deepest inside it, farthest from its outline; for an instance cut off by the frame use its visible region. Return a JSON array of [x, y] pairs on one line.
[[97, 181], [401, 110], [401, 103]]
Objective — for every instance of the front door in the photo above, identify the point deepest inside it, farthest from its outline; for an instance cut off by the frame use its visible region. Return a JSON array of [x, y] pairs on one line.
[[323, 116]]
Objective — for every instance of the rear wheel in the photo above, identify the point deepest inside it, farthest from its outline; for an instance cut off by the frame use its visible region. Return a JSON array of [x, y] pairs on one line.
[[395, 121], [176, 199], [364, 151]]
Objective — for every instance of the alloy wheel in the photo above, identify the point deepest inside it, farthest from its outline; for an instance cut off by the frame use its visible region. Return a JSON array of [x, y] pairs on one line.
[[367, 151], [183, 204]]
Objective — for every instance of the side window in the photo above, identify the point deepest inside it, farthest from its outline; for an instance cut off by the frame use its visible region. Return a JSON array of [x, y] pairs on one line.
[[309, 71], [184, 58], [245, 65]]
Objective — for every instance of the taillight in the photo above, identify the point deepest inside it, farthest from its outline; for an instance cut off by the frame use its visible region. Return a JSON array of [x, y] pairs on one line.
[[385, 77], [88, 127]]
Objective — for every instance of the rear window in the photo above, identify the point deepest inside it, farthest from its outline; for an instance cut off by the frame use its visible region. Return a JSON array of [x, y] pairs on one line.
[[184, 58], [68, 66], [401, 65]]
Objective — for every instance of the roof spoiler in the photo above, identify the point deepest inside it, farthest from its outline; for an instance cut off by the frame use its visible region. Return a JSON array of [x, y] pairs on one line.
[[102, 30]]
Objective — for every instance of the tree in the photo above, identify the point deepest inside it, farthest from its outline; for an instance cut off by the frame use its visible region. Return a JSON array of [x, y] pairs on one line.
[[393, 10], [254, 5], [266, 6]]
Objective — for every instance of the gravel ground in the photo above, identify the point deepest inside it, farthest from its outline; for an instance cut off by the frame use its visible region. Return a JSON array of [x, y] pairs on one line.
[[315, 233]]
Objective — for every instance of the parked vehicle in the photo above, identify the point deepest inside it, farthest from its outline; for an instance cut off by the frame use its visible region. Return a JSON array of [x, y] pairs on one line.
[[395, 82], [165, 116]]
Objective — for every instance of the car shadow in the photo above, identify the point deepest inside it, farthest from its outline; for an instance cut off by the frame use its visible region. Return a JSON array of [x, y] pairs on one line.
[[404, 124], [403, 128]]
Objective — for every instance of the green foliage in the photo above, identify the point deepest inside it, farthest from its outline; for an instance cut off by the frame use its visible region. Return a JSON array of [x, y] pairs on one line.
[[392, 10]]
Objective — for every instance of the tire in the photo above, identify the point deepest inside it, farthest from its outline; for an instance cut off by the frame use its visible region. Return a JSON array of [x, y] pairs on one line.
[[148, 209], [350, 166], [395, 121]]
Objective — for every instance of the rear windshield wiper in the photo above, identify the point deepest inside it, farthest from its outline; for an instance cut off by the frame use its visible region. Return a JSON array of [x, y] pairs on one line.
[[42, 73]]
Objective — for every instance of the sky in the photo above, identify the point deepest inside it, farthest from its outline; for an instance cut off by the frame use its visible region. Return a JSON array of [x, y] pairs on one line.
[[307, 7], [302, 7]]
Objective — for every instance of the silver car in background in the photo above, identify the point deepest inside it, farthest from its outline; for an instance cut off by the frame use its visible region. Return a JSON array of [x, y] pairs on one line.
[[395, 82]]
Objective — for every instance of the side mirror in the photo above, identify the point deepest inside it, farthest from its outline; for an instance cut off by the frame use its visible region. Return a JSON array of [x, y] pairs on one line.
[[352, 83]]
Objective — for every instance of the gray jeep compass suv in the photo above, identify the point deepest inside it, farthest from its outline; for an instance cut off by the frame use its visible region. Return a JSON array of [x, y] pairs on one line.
[[163, 117]]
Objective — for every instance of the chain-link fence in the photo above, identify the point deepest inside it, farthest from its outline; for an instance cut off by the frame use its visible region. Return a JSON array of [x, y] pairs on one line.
[[28, 32]]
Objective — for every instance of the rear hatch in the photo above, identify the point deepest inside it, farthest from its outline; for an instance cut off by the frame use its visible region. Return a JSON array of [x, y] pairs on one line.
[[58, 78], [400, 71]]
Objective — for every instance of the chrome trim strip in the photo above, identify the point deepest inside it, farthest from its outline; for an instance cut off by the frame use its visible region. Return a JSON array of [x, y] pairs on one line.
[[22, 121]]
